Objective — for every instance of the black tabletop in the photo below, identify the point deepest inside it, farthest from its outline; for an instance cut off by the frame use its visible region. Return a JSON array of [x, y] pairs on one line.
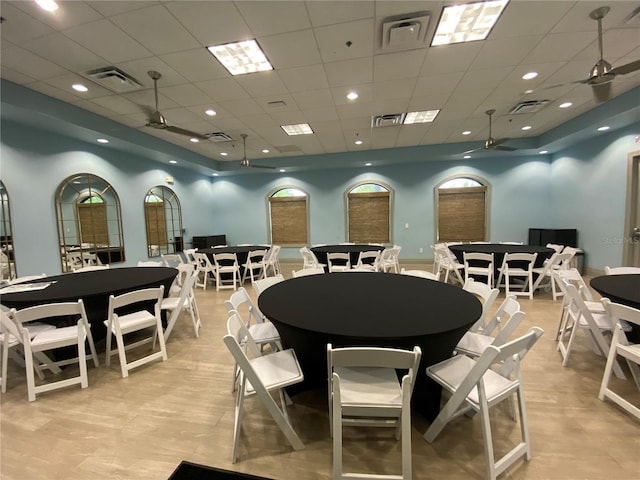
[[500, 249], [353, 251], [624, 289]]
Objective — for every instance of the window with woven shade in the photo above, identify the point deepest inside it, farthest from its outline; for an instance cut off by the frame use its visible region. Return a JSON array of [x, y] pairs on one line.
[[369, 214], [462, 211], [289, 217]]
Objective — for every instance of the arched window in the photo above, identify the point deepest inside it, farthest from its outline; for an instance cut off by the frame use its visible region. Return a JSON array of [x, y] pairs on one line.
[[461, 206], [163, 221], [288, 217], [369, 213], [7, 257], [89, 222]]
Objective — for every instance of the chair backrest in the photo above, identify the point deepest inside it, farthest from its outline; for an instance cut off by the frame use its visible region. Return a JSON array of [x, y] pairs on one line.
[[369, 257], [241, 303], [376, 357], [39, 312], [188, 253], [621, 270], [477, 259], [256, 257], [573, 276], [555, 246], [202, 261], [486, 293], [225, 260], [261, 285], [307, 271], [421, 274], [506, 319], [149, 263], [529, 258], [135, 297], [617, 312], [511, 243], [238, 330], [172, 259], [338, 259]]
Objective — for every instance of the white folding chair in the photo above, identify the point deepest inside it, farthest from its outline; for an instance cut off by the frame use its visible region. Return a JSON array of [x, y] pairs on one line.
[[448, 263], [50, 339], [475, 386], [573, 276], [227, 270], [262, 376], [544, 274], [620, 346], [119, 325], [369, 260], [309, 259], [421, 274], [478, 265], [149, 263], [364, 391], [505, 320], [579, 317], [204, 268], [172, 259], [487, 295], [390, 259], [260, 286], [307, 271], [338, 262], [621, 270], [185, 301], [255, 266], [517, 265], [272, 262]]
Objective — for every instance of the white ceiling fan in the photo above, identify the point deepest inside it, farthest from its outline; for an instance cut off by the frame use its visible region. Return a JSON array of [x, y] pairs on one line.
[[490, 143], [245, 161]]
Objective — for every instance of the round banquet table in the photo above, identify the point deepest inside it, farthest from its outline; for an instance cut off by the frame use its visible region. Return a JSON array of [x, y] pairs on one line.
[[94, 288], [370, 309], [624, 289], [353, 251], [241, 251]]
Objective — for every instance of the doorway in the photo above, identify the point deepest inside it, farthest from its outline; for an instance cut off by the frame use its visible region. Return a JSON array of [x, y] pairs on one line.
[[631, 237]]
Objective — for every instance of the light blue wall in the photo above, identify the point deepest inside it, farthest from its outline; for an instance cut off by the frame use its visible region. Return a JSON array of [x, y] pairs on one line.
[[588, 186], [583, 187]]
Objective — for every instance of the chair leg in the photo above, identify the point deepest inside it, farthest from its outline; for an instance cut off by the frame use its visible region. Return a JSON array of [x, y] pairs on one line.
[[337, 441], [5, 360], [31, 383], [488, 444], [604, 385], [237, 422], [82, 356]]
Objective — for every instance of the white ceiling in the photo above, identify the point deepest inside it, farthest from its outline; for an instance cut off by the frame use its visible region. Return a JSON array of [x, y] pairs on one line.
[[314, 68]]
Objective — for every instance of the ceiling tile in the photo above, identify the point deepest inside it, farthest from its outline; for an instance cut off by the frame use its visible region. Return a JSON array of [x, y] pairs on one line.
[[64, 82], [506, 52], [186, 94], [65, 52], [329, 12], [196, 65], [242, 106], [350, 72], [118, 104], [268, 18], [24, 62], [16, 77], [559, 47], [291, 50], [365, 94], [313, 98], [262, 83], [19, 27], [223, 89], [402, 88], [109, 7], [71, 14], [392, 66], [450, 58], [52, 91], [333, 40], [483, 79], [529, 18], [299, 79]]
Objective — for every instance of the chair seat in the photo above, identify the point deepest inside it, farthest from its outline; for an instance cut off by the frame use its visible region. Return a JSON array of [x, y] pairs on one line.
[[594, 307], [602, 321], [55, 335], [134, 320], [369, 386], [264, 332], [276, 370], [473, 343], [170, 303], [453, 371], [630, 351]]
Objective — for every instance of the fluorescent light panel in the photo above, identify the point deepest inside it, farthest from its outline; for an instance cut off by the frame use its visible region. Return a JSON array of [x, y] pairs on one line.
[[467, 23], [241, 57], [424, 116], [299, 129]]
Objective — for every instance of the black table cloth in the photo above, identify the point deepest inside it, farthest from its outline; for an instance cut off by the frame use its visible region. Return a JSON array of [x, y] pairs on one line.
[[94, 288], [353, 251], [241, 251], [370, 309], [624, 289], [500, 249]]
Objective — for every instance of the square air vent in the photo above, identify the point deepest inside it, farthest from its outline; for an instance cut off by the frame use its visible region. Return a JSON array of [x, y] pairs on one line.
[[218, 137], [113, 79], [404, 32], [388, 120], [530, 106]]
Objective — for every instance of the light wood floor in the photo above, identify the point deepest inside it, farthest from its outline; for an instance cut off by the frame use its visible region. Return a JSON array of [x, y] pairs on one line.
[[143, 426]]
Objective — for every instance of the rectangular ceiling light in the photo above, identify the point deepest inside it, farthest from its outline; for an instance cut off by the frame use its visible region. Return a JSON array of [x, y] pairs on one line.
[[467, 23], [424, 116], [241, 57], [299, 129]]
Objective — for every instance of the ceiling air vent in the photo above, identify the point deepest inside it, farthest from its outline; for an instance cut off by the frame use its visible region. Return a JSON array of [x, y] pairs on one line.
[[288, 149], [388, 120], [113, 79], [218, 137], [404, 32], [530, 106]]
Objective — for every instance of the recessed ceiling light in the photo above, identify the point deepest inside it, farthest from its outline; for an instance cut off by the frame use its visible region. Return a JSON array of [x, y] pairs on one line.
[[604, 128], [194, 140], [282, 170], [265, 150], [358, 142], [527, 127], [467, 132], [565, 105], [352, 95], [173, 161], [241, 57], [298, 129], [78, 87], [467, 23], [210, 112], [368, 164], [542, 152], [48, 5], [527, 92], [423, 116], [102, 140], [467, 156], [215, 174], [224, 154], [529, 75]]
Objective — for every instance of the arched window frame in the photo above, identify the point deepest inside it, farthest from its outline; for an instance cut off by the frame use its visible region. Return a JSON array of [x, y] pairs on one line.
[[389, 191], [487, 203], [173, 241], [270, 221]]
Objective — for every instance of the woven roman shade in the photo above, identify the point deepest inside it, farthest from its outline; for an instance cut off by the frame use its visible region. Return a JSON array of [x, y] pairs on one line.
[[289, 220], [461, 214], [93, 223], [369, 217]]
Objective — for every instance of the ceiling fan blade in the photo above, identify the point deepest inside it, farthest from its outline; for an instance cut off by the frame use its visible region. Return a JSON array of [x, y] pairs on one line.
[[471, 151], [261, 166], [628, 68], [186, 133], [499, 141], [504, 148], [601, 92]]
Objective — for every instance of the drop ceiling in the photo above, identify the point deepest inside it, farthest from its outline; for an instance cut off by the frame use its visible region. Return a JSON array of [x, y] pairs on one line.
[[320, 51]]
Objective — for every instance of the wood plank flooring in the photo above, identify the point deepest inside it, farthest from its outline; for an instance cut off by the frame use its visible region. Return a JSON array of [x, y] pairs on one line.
[[141, 427]]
